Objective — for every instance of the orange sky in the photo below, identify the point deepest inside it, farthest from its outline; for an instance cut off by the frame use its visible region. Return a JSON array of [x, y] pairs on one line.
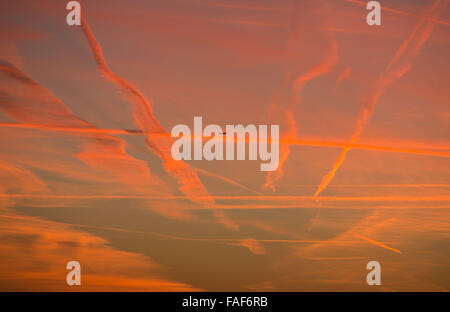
[[86, 171]]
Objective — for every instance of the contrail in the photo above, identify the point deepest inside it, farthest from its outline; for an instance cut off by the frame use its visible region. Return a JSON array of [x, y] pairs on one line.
[[325, 66], [77, 129], [227, 4], [246, 197], [273, 176], [228, 180], [298, 85], [366, 225], [183, 238], [248, 23], [377, 243], [344, 75], [438, 150], [189, 183], [418, 185], [214, 175], [399, 65], [400, 12], [274, 107], [104, 151]]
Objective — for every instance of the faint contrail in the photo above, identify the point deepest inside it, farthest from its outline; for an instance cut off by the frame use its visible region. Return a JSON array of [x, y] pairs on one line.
[[248, 22], [90, 130], [344, 75], [400, 12], [247, 197], [189, 183], [322, 68], [230, 181], [183, 238], [418, 185], [367, 224], [417, 31], [227, 4], [211, 174], [399, 66], [325, 66]]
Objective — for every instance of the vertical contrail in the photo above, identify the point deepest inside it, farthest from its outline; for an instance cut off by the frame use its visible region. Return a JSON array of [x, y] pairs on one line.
[[297, 87], [397, 67], [189, 183]]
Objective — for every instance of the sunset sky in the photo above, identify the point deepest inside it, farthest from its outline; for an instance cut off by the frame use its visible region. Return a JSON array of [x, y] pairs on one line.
[[86, 172]]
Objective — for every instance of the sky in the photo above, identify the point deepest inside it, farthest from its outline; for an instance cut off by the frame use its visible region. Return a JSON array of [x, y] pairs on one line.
[[86, 172]]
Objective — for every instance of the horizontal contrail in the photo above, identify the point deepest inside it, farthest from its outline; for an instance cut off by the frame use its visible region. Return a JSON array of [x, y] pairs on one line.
[[353, 145], [181, 238], [92, 129], [431, 150], [252, 7], [245, 197], [248, 23], [418, 185]]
